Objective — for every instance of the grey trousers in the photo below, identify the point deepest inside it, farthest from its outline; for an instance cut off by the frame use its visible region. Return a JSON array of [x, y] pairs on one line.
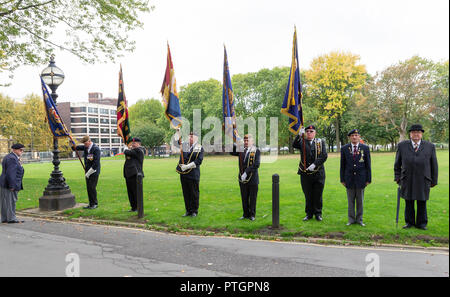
[[352, 196], [8, 201]]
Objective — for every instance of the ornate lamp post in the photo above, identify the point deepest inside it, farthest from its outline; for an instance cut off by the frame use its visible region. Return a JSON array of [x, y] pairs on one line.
[[57, 194]]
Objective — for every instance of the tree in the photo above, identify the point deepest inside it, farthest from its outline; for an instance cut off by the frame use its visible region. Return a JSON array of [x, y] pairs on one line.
[[403, 94], [332, 81], [440, 105], [150, 135], [93, 30]]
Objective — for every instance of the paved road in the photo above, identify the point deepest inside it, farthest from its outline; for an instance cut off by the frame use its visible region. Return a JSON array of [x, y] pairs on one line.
[[48, 248]]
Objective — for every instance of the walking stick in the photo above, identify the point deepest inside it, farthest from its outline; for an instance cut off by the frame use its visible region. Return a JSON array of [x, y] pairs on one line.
[[398, 205]]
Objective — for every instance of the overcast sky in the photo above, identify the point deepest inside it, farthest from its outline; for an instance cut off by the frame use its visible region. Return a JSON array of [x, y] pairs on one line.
[[257, 34]]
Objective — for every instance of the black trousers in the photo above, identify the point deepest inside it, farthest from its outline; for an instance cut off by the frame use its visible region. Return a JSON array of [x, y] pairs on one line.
[[132, 191], [248, 196], [191, 194], [313, 189], [91, 184], [410, 215]]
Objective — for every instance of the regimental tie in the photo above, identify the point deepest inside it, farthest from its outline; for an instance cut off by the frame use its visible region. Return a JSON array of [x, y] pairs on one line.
[[354, 152], [416, 147]]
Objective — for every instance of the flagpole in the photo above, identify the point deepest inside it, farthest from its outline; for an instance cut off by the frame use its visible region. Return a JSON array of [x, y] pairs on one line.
[[78, 154]]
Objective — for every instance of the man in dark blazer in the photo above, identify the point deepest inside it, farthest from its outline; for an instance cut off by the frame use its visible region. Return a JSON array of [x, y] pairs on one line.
[[189, 170], [416, 171], [249, 161], [92, 169], [312, 174], [11, 184], [356, 174], [134, 159]]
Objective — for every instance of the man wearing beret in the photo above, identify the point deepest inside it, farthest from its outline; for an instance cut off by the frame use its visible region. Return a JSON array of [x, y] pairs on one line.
[[11, 184], [355, 174], [312, 174], [134, 159], [189, 170], [92, 168], [416, 171]]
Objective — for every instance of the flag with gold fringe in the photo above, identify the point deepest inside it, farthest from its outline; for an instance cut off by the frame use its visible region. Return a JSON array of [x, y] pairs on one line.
[[292, 103], [170, 94], [123, 126], [229, 116]]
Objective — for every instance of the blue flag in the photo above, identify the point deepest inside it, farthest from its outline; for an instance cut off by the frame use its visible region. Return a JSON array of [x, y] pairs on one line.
[[229, 116], [292, 103], [54, 119], [170, 95]]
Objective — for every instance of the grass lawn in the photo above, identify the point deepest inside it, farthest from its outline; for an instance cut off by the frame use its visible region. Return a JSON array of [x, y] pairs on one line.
[[220, 202]]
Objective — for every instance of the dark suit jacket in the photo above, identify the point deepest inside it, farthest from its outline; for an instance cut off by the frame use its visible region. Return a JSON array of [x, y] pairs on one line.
[[193, 155], [248, 164], [416, 171], [12, 173], [355, 172], [134, 160], [311, 157], [91, 159]]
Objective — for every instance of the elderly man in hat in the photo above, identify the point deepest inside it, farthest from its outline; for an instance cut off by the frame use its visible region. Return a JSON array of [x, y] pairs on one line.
[[416, 171], [312, 174], [249, 161], [92, 168], [134, 159], [189, 170], [355, 174], [11, 184]]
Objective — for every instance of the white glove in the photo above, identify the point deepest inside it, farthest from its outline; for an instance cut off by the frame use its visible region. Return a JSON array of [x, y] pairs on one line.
[[243, 176], [90, 171], [301, 131], [191, 165], [311, 167]]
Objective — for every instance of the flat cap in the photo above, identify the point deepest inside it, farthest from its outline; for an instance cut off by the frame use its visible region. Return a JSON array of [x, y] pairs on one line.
[[354, 131], [311, 127], [17, 146], [416, 127]]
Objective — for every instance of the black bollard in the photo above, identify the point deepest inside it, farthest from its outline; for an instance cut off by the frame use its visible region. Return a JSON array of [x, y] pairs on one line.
[[275, 201], [140, 196]]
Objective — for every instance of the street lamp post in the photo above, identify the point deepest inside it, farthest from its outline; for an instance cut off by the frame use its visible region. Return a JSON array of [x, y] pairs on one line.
[[57, 194], [31, 134]]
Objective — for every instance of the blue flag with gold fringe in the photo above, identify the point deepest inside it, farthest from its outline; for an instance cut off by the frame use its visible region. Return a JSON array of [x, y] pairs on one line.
[[170, 95], [292, 103], [229, 116], [53, 118]]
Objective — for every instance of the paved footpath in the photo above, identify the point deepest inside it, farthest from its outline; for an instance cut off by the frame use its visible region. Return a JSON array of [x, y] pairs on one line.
[[42, 247]]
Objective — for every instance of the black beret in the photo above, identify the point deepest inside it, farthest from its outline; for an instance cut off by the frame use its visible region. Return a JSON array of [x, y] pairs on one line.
[[354, 131], [17, 146], [136, 139], [416, 127], [310, 127]]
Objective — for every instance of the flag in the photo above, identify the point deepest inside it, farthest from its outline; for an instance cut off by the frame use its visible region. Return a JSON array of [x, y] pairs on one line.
[[54, 119], [292, 103], [229, 116], [123, 126], [170, 95]]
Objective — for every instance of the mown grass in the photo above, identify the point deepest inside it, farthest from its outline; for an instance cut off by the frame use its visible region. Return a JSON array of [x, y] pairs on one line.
[[220, 203]]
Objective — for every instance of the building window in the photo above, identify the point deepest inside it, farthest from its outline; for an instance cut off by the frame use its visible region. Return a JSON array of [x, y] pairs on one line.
[[93, 120], [93, 130], [105, 140], [114, 121], [95, 140], [93, 110], [79, 130], [104, 131], [104, 111], [78, 109], [78, 120], [115, 140], [113, 111], [104, 121]]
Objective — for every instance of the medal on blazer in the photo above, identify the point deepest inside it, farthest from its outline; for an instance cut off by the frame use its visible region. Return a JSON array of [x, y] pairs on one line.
[[250, 161], [362, 156], [90, 157]]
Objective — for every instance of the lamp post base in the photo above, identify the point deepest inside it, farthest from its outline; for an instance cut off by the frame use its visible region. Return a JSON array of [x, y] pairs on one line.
[[56, 200]]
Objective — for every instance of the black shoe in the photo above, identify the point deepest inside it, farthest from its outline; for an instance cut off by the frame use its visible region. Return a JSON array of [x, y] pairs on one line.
[[407, 226], [349, 224], [4, 222], [422, 227], [319, 218], [87, 207], [132, 210], [194, 214], [241, 218], [362, 224], [252, 218], [15, 222], [94, 206], [307, 218], [187, 214]]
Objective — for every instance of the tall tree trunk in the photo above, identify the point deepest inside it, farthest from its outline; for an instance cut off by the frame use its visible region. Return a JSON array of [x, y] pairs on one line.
[[338, 142]]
